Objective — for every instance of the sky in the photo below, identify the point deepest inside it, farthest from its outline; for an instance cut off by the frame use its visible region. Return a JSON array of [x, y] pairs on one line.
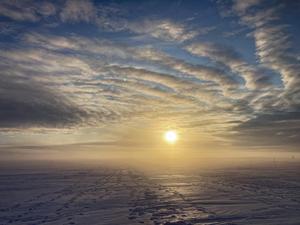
[[118, 74]]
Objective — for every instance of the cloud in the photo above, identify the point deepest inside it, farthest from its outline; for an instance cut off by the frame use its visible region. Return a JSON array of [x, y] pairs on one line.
[[149, 68], [269, 130], [117, 87], [159, 78], [108, 17], [104, 93], [26, 10], [242, 6], [8, 28], [112, 51], [111, 18], [275, 118], [162, 29], [254, 76], [274, 47], [203, 72], [25, 103], [78, 10]]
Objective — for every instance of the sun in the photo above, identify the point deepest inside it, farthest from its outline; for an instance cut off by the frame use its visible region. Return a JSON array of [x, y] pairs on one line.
[[171, 136]]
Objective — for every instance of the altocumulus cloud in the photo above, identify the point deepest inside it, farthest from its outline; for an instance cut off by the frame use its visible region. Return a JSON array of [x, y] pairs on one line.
[[88, 64]]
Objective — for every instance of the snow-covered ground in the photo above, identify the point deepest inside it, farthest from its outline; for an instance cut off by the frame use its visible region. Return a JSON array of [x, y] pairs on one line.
[[120, 196]]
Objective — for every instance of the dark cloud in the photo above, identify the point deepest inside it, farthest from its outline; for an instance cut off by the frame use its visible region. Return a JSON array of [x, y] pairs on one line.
[[25, 103], [273, 129]]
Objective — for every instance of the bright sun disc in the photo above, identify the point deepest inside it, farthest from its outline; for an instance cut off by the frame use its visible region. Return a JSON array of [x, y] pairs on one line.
[[170, 136]]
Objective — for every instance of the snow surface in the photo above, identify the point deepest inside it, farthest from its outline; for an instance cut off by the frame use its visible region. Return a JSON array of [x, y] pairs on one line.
[[120, 196]]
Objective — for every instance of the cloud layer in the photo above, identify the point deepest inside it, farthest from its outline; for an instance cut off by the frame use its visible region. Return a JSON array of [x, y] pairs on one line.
[[79, 64]]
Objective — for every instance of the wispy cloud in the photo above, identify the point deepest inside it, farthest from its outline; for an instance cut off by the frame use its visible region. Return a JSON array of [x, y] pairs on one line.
[[254, 76], [273, 45], [78, 10], [26, 10], [111, 85], [277, 109], [81, 64], [163, 29]]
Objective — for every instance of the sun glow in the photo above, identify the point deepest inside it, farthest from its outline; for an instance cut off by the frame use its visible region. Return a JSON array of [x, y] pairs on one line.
[[171, 136]]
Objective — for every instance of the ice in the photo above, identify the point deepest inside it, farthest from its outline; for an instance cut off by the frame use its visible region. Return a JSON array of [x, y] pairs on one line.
[[120, 196]]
